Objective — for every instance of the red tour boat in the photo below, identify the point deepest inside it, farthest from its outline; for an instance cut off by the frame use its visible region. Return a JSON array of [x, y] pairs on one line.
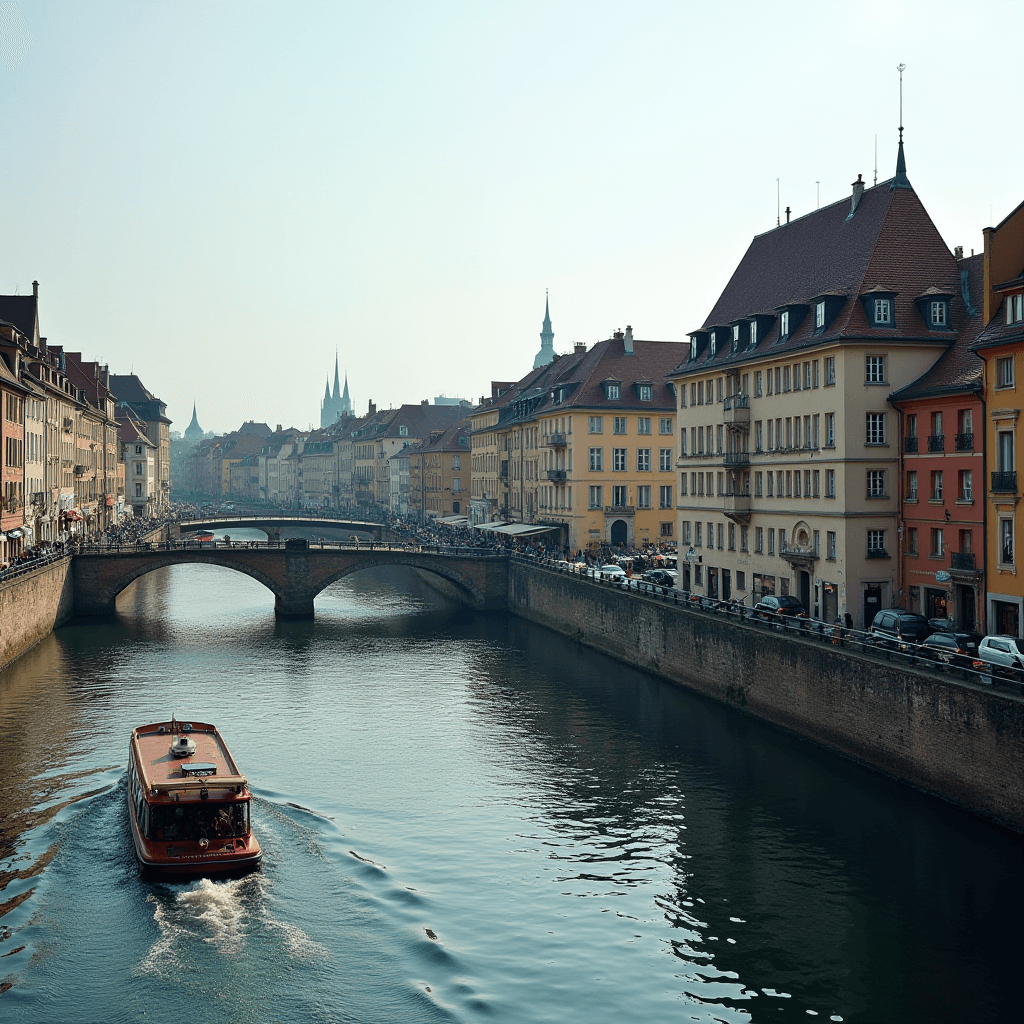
[[188, 803]]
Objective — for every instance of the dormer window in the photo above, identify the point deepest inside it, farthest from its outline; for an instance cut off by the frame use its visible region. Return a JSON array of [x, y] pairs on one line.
[[753, 333], [735, 336], [693, 346], [883, 312], [714, 339], [784, 325], [645, 392], [939, 314], [403, 431], [819, 315], [611, 392], [1014, 308]]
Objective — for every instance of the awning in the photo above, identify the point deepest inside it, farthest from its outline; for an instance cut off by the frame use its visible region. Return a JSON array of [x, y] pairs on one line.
[[489, 527], [524, 529], [13, 534], [454, 520], [74, 515]]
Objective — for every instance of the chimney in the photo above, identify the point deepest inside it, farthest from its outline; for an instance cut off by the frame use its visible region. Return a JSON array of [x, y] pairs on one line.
[[425, 403], [279, 428], [858, 191], [958, 252], [787, 214], [579, 346], [627, 341], [371, 410], [35, 289]]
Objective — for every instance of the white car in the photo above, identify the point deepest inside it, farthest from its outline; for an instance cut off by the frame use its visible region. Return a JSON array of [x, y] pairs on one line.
[[612, 572], [1002, 656]]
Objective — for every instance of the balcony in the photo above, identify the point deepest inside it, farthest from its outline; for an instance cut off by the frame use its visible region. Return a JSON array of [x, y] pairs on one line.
[[736, 506], [736, 411], [910, 445], [937, 443], [1004, 483], [556, 474], [877, 553], [556, 441], [964, 442], [736, 459], [963, 561]]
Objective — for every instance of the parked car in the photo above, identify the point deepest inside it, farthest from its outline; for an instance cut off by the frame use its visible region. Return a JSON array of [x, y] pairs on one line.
[[1001, 656], [949, 648], [774, 609], [659, 576], [899, 629], [611, 572]]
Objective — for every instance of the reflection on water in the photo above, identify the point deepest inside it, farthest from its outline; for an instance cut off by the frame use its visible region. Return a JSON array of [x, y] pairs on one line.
[[468, 817]]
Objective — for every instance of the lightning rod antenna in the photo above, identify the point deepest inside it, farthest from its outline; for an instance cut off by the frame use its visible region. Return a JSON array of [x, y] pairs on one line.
[[876, 158], [901, 68], [778, 204]]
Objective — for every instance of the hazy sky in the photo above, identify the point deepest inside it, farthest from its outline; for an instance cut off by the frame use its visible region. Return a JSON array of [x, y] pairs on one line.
[[221, 194]]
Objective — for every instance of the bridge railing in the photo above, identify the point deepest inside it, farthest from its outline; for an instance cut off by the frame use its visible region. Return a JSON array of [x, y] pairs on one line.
[[854, 642], [32, 565], [452, 550]]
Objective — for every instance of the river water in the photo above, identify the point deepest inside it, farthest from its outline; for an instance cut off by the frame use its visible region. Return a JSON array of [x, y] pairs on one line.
[[468, 818]]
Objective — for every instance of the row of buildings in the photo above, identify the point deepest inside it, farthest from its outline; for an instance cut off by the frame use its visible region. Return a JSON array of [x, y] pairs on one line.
[[384, 459], [80, 447], [841, 427]]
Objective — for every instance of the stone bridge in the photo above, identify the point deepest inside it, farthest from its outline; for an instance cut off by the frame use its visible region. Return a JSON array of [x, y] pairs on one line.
[[272, 524], [295, 575]]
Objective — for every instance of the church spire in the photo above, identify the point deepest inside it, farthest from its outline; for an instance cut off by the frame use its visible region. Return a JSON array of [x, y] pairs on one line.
[[337, 385], [547, 338], [346, 402]]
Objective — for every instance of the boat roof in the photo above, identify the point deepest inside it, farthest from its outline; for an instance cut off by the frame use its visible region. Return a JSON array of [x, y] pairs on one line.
[[163, 773]]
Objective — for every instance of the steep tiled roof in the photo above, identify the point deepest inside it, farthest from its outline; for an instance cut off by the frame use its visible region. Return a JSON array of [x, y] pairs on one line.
[[449, 441], [958, 369], [129, 388], [420, 420], [889, 244], [20, 310]]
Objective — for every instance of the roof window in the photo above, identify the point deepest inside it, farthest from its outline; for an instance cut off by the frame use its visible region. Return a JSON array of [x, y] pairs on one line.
[[933, 305], [1015, 308]]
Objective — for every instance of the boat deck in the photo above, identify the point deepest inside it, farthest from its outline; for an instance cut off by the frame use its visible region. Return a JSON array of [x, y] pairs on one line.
[[160, 771]]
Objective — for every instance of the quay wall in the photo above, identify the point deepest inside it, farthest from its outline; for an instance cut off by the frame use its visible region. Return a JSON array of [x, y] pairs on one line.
[[32, 606], [961, 741]]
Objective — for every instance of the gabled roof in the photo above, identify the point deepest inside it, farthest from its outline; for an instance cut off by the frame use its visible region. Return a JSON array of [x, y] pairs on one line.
[[129, 388], [959, 369], [21, 311], [420, 420], [889, 243]]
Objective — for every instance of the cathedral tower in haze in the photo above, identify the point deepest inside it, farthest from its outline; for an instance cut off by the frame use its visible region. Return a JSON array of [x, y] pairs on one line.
[[337, 405], [547, 340]]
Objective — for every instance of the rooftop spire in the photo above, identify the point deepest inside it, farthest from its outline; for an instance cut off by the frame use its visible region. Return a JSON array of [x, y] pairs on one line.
[[901, 180], [337, 385], [547, 338]]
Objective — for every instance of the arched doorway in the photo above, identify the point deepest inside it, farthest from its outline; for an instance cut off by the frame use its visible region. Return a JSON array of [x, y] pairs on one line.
[[619, 532]]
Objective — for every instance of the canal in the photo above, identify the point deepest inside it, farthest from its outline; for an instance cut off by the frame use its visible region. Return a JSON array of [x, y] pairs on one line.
[[468, 818]]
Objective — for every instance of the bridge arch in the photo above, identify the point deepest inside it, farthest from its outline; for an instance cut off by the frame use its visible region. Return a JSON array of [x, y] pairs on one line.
[[467, 588]]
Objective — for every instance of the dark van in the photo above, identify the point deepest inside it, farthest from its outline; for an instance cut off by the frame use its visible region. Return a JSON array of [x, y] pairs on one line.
[[900, 629]]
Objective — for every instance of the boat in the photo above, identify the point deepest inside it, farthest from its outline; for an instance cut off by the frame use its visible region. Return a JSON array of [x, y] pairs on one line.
[[204, 535], [188, 804]]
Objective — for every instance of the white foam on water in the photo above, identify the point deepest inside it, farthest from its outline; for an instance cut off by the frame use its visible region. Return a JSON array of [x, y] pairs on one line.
[[220, 906], [297, 943]]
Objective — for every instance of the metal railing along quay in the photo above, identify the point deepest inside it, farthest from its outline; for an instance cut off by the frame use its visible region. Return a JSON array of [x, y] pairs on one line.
[[30, 566], [799, 629]]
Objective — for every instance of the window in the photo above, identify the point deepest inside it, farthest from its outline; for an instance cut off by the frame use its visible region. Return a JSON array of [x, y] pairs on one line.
[[816, 366], [771, 484], [876, 428], [753, 334], [876, 542], [596, 460], [711, 535], [771, 542], [883, 311], [595, 496], [819, 315], [759, 540], [735, 336], [938, 313], [912, 485], [784, 325], [830, 546], [665, 459], [757, 384], [643, 424], [936, 545], [619, 460], [619, 496], [686, 531], [643, 496], [665, 496], [138, 449], [665, 425], [876, 483], [965, 485], [645, 392], [817, 483], [786, 385], [1004, 371], [643, 460], [666, 530], [912, 424], [719, 536], [830, 371], [830, 483], [1014, 308], [797, 378], [966, 541], [138, 469], [698, 535], [744, 540], [1006, 542], [875, 370], [682, 483], [1004, 451], [613, 391], [138, 490], [456, 483], [693, 348], [619, 426], [830, 430], [595, 424], [816, 430], [936, 494], [732, 536], [912, 540], [714, 343]]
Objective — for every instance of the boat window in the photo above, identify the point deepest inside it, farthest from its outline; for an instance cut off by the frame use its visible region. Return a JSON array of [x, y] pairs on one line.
[[199, 821]]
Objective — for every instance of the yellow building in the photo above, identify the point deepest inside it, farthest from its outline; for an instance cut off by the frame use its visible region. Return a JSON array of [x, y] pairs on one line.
[[1001, 346], [585, 445], [439, 472]]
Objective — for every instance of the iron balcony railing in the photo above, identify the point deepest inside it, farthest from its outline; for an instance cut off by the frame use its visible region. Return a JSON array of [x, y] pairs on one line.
[[556, 441], [964, 442], [736, 402], [1005, 482], [963, 560], [556, 474], [736, 459], [937, 443], [910, 444]]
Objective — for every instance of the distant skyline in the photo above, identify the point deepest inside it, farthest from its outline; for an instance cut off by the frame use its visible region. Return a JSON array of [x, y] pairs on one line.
[[219, 196]]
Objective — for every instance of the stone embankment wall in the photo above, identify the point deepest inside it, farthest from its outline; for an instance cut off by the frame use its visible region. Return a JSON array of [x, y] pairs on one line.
[[32, 606], [961, 741]]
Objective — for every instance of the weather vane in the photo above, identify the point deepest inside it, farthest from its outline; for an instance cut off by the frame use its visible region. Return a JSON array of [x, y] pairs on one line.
[[901, 68]]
